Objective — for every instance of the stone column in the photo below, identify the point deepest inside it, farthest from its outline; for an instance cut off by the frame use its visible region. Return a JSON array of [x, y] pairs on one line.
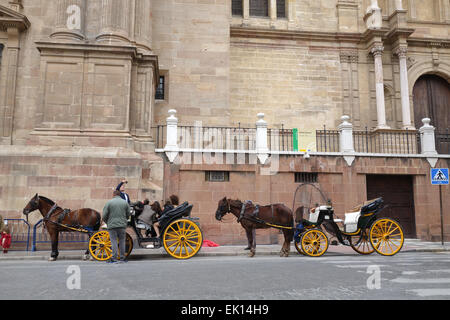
[[143, 25], [11, 56], [377, 52], [398, 5], [115, 21], [272, 12], [70, 20], [245, 11], [404, 87]]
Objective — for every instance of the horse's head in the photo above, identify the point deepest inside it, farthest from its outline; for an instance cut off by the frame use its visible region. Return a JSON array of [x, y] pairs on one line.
[[222, 208], [32, 205]]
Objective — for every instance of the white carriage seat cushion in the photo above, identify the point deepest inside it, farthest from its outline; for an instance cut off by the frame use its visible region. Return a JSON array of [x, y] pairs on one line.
[[352, 217], [314, 215], [142, 225]]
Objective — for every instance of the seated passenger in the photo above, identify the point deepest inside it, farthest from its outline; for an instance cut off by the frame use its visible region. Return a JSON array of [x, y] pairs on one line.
[[169, 205]]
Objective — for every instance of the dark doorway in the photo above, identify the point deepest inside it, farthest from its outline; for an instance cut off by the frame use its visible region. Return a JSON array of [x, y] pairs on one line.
[[398, 195], [431, 96]]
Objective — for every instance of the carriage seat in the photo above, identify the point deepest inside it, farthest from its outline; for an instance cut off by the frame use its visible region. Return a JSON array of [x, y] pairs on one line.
[[183, 210], [142, 225]]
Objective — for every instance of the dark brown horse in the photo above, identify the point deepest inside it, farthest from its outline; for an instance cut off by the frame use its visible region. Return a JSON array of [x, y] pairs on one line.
[[57, 220], [271, 216]]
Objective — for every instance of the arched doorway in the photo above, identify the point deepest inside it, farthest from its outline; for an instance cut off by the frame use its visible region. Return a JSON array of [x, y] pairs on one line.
[[431, 96]]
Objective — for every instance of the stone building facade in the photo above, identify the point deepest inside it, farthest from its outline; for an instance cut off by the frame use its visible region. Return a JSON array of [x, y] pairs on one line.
[[79, 107]]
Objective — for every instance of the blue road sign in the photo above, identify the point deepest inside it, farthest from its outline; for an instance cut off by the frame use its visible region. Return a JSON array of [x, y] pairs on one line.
[[439, 176]]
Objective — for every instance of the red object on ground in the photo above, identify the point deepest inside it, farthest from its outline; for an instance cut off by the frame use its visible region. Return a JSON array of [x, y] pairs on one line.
[[209, 243]]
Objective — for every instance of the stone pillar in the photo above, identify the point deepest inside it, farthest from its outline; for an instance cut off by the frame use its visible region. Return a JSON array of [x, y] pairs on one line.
[[143, 24], [427, 138], [404, 87], [346, 135], [398, 5], [171, 149], [377, 52], [272, 12], [346, 140], [115, 21], [11, 56], [262, 149], [245, 11], [70, 20]]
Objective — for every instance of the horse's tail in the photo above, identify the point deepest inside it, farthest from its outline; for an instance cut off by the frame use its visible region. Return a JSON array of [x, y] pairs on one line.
[[98, 222]]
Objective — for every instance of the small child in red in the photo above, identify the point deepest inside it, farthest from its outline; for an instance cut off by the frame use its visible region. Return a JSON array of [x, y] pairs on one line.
[[5, 240]]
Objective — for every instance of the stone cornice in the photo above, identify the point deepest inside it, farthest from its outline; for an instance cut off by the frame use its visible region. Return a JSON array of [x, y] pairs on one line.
[[263, 33], [12, 19]]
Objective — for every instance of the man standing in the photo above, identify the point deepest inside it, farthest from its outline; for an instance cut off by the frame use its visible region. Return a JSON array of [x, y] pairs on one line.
[[121, 188], [115, 214]]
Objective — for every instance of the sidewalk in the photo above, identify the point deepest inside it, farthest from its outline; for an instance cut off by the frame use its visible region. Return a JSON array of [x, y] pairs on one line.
[[410, 245]]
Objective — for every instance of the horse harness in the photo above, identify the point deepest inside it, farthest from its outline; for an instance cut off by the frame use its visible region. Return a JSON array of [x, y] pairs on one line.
[[254, 216], [61, 218]]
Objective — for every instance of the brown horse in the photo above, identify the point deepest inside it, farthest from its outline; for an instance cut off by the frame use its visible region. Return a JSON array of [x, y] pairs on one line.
[[271, 216], [57, 220]]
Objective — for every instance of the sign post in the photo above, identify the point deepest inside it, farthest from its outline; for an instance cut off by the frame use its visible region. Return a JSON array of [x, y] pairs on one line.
[[439, 176]]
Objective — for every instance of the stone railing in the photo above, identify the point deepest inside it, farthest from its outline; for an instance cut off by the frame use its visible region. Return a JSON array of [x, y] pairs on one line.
[[263, 142]]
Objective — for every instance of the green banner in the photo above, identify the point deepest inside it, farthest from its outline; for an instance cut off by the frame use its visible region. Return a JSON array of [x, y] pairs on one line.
[[295, 139]]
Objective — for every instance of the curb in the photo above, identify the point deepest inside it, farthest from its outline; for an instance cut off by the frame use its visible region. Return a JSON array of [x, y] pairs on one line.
[[144, 256]]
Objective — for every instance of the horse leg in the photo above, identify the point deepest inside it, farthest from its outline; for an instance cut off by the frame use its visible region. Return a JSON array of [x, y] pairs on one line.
[[251, 241], [54, 239], [286, 248]]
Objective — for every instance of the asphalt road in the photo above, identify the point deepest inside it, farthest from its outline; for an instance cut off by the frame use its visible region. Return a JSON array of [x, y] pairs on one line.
[[406, 276]]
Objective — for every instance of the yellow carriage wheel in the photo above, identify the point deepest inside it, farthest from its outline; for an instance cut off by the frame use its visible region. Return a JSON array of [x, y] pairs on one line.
[[386, 236], [361, 243], [100, 246], [182, 239], [314, 243]]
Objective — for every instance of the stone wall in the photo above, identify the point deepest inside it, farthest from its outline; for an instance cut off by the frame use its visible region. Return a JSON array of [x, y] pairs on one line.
[[191, 39], [344, 185], [295, 83]]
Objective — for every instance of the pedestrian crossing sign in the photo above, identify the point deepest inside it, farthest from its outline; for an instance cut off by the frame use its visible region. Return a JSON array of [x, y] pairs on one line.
[[439, 176]]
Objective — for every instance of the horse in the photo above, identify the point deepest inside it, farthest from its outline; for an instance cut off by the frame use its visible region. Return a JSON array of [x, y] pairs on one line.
[[271, 216], [57, 220]]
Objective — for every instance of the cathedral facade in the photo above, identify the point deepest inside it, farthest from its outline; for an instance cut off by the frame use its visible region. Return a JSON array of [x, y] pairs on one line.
[[86, 88]]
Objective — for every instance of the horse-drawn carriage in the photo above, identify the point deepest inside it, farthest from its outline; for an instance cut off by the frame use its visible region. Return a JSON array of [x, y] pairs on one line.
[[180, 236], [362, 229], [180, 233]]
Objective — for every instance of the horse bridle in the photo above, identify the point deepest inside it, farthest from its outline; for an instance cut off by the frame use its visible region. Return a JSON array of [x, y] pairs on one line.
[[222, 208]]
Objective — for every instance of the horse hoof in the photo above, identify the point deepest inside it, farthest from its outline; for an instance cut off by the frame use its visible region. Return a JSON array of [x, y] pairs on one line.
[[85, 257], [252, 254], [51, 259]]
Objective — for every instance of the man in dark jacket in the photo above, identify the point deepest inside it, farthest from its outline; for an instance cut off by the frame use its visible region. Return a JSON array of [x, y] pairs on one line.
[[121, 188], [116, 214]]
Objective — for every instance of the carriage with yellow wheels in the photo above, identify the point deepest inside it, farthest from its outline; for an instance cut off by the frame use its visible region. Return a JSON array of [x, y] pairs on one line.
[[180, 235], [362, 229]]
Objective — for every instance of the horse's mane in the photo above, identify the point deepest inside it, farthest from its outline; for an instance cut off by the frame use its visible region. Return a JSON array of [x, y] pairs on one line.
[[51, 202]]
